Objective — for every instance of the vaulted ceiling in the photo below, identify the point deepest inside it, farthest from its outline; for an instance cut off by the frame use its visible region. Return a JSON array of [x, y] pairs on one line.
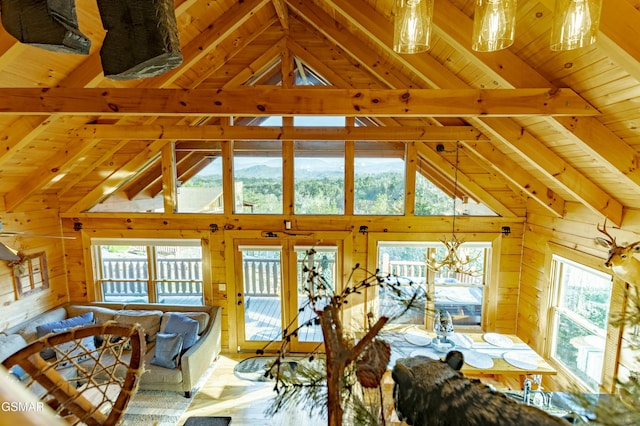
[[563, 129]]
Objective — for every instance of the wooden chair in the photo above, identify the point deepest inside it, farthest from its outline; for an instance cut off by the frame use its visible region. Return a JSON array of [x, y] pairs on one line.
[[105, 379]]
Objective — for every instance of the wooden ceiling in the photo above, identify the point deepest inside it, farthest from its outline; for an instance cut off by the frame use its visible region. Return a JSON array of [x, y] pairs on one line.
[[564, 128]]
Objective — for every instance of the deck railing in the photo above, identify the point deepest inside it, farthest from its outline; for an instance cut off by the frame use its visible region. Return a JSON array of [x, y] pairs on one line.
[[128, 278]]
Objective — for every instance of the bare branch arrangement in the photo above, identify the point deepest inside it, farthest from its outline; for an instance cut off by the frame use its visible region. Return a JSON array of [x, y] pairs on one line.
[[334, 380]]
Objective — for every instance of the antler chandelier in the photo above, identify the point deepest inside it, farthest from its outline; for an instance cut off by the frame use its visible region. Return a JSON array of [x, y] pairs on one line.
[[575, 24], [455, 259]]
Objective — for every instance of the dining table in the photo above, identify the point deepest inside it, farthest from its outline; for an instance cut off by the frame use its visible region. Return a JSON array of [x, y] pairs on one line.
[[486, 354]]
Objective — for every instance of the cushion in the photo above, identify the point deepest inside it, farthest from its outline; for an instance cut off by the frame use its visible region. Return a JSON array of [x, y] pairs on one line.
[[148, 319], [201, 317], [100, 314], [167, 352], [10, 344], [29, 332], [18, 372], [44, 329], [179, 324], [77, 350]]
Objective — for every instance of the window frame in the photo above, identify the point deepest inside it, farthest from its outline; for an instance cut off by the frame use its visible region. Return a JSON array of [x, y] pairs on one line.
[[28, 276], [492, 268], [153, 279], [613, 333]]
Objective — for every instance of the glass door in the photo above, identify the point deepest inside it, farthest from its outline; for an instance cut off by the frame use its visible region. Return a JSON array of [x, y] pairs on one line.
[[315, 283], [283, 286], [260, 301]]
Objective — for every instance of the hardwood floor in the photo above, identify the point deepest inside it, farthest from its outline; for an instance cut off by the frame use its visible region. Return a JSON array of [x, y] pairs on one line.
[[245, 401], [226, 395]]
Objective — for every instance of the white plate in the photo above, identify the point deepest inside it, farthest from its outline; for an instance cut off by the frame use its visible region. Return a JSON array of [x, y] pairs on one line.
[[461, 340], [418, 339], [425, 352], [477, 359], [522, 360], [499, 340]]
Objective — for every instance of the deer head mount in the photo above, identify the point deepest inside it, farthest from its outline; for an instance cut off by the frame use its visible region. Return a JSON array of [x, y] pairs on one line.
[[621, 260]]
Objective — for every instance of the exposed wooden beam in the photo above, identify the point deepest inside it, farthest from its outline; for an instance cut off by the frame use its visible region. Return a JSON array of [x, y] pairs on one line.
[[116, 180], [21, 133], [492, 159], [268, 101], [577, 184], [223, 133], [428, 154], [209, 39], [283, 12], [258, 66], [55, 169], [169, 177], [556, 168], [511, 71]]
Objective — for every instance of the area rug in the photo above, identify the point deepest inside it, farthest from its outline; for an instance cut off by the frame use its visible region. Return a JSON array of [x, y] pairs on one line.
[[256, 368], [160, 408]]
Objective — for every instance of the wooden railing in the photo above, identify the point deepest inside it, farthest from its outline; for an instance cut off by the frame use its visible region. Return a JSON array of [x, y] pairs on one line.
[[127, 279]]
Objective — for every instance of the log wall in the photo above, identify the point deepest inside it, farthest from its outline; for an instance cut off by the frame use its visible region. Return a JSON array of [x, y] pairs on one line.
[[571, 236], [502, 308], [38, 220]]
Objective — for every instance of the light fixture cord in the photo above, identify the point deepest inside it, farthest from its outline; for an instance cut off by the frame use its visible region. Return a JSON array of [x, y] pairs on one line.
[[455, 194]]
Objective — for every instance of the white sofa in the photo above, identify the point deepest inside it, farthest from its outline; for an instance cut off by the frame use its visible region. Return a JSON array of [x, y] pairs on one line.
[[152, 317]]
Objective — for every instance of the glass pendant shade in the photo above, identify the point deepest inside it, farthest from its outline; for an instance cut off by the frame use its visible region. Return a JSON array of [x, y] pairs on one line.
[[575, 24], [412, 26], [494, 23]]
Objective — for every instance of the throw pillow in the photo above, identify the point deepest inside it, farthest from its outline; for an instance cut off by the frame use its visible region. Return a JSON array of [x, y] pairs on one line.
[[167, 352], [77, 350], [18, 372], [44, 329], [148, 319], [179, 324]]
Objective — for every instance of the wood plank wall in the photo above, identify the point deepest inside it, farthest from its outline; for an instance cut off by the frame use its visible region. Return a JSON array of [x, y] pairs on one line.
[[573, 235], [503, 306], [38, 220]]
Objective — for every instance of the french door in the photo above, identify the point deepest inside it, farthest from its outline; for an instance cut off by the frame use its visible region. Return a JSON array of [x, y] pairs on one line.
[[279, 287]]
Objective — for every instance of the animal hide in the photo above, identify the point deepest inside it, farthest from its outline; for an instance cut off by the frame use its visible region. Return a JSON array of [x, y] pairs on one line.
[[50, 24], [142, 38], [432, 393]]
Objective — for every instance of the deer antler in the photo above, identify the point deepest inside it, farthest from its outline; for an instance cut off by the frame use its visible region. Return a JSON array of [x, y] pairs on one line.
[[611, 241]]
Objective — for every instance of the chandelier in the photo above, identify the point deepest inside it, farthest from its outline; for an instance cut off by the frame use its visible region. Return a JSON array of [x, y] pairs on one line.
[[455, 259], [575, 24]]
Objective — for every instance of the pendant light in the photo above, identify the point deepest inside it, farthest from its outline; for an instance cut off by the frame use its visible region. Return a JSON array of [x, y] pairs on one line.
[[575, 24], [494, 24], [412, 26]]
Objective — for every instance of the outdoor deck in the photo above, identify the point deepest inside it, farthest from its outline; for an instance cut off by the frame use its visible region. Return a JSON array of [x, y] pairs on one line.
[[263, 320]]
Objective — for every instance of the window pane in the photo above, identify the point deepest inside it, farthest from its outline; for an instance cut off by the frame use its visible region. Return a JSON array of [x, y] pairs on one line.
[[379, 180], [125, 274], [319, 177], [407, 261], [586, 293], [179, 275], [580, 319], [258, 178], [200, 181], [461, 294], [323, 262], [261, 275], [579, 350]]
